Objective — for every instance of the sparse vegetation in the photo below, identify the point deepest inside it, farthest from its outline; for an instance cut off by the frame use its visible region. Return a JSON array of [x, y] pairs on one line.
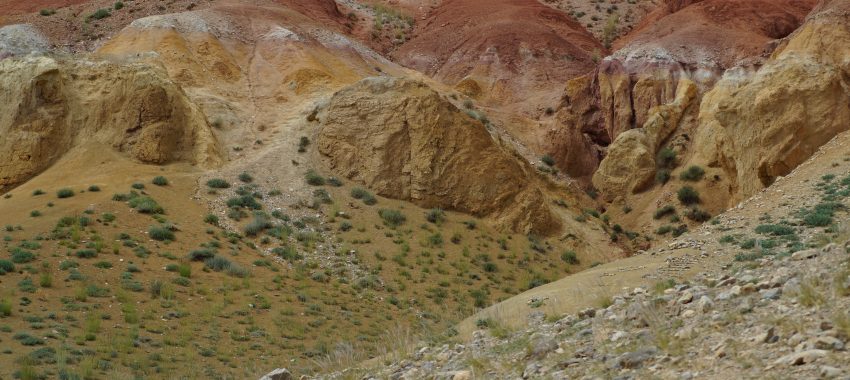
[[218, 183], [693, 173], [64, 193], [392, 218], [160, 181], [688, 195], [314, 178]]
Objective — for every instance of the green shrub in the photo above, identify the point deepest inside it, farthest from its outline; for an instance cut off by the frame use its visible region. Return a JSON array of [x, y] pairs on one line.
[[201, 254], [103, 264], [821, 215], [182, 281], [65, 193], [570, 257], [146, 205], [28, 340], [138, 185], [35, 213], [662, 176], [697, 215], [681, 229], [314, 178], [663, 230], [38, 192], [94, 188], [664, 211], [774, 229], [184, 270], [47, 12], [693, 173], [108, 217], [666, 158], [287, 253], [5, 308], [100, 14], [26, 285], [303, 142], [345, 226], [245, 177], [86, 253], [217, 263], [548, 160], [257, 226], [160, 181], [392, 218], [118, 5], [6, 266], [160, 233], [218, 183], [211, 219], [20, 256], [688, 195], [435, 215], [245, 201], [358, 193]]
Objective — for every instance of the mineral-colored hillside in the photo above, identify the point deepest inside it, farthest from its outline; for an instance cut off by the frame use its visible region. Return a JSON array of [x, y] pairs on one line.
[[423, 189]]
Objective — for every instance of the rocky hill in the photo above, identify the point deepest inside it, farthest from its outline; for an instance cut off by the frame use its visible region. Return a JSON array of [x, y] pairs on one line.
[[421, 189]]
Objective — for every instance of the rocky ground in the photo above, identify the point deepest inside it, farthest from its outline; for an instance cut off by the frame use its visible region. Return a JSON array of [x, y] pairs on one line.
[[775, 306]]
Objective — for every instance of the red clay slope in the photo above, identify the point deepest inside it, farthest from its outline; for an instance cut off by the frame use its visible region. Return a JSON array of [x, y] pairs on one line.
[[12, 7], [514, 45], [725, 31]]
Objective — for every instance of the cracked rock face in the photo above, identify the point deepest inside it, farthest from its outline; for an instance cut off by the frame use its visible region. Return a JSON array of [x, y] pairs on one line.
[[60, 104], [401, 139]]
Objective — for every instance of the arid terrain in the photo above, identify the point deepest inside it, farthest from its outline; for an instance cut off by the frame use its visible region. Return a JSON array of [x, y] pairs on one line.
[[416, 189]]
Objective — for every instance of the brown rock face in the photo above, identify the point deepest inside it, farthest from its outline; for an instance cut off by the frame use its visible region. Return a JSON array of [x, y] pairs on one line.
[[401, 139], [758, 127], [630, 166], [55, 105]]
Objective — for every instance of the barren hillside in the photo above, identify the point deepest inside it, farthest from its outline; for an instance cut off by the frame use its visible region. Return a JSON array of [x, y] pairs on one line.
[[218, 188]]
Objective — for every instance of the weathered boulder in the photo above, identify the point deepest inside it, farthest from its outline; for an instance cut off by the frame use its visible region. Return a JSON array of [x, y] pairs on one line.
[[759, 127], [629, 166], [403, 140], [52, 105]]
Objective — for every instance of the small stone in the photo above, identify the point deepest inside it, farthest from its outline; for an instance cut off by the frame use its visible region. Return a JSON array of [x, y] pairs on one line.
[[800, 358], [278, 374], [635, 359], [686, 297], [771, 294], [619, 335], [462, 375], [688, 313], [828, 372], [828, 343], [542, 346], [805, 254], [768, 336], [705, 304]]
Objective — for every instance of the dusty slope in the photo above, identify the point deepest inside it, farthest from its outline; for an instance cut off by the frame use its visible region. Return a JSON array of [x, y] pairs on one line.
[[508, 51], [708, 305], [55, 105]]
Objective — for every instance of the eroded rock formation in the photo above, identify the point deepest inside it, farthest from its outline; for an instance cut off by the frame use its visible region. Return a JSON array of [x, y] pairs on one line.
[[51, 105], [403, 140]]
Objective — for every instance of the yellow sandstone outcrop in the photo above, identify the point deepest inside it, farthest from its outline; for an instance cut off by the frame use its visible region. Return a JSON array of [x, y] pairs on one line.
[[403, 140]]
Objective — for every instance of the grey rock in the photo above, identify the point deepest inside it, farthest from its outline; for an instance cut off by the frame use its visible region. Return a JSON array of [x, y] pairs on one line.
[[278, 374], [828, 372], [634, 359], [771, 294], [800, 358]]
